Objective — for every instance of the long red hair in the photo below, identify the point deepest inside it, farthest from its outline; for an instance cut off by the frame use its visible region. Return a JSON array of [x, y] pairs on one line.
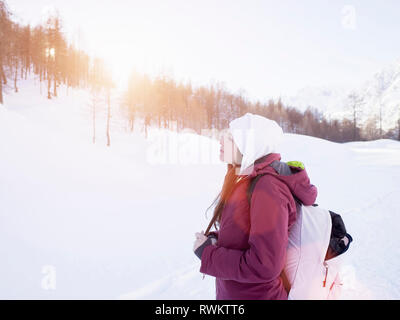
[[231, 179]]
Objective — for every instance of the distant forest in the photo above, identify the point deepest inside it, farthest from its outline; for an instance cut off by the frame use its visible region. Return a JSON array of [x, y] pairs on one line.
[[44, 51]]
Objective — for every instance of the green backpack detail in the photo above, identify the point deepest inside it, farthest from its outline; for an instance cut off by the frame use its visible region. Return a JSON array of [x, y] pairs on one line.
[[296, 164]]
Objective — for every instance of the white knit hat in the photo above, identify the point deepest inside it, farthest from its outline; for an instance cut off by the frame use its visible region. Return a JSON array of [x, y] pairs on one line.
[[255, 136]]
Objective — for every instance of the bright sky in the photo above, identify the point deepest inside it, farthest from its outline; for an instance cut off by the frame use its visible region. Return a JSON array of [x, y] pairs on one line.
[[268, 48]]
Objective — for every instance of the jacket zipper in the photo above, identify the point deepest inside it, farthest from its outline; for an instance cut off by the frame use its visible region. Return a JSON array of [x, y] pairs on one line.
[[326, 274]]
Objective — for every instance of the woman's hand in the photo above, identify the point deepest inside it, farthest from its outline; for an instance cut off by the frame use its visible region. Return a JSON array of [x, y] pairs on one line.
[[201, 242], [200, 239]]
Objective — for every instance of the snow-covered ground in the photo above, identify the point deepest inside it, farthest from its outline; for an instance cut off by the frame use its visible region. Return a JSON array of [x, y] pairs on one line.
[[82, 221]]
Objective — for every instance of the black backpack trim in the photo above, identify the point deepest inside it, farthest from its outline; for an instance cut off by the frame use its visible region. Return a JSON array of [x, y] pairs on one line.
[[338, 234]]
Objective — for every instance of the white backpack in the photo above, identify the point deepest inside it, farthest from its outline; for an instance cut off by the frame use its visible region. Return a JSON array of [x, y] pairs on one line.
[[316, 243], [309, 275]]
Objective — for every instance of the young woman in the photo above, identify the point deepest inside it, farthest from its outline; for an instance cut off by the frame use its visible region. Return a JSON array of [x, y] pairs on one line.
[[246, 254]]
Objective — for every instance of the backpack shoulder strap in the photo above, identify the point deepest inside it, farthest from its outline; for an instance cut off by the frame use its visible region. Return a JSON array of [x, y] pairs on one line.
[[277, 165], [252, 186], [281, 168]]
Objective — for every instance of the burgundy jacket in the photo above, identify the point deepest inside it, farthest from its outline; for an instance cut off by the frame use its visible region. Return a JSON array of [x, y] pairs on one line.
[[250, 253]]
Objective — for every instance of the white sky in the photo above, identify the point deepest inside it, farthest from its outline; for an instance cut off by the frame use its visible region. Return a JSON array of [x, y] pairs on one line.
[[268, 48]]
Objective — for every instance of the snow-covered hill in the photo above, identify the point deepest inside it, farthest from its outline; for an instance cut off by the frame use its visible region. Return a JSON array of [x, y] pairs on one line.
[[329, 101], [119, 223], [381, 93]]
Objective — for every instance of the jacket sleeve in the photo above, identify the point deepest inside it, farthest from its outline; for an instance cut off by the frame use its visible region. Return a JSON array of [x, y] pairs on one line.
[[264, 259]]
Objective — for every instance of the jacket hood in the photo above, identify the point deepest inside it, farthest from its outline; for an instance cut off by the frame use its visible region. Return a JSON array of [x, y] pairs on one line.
[[296, 179], [255, 136]]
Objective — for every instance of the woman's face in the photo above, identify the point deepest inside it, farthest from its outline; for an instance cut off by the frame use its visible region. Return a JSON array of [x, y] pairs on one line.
[[229, 152]]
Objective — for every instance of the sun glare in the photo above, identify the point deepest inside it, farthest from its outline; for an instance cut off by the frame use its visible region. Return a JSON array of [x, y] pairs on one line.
[[50, 52], [123, 59]]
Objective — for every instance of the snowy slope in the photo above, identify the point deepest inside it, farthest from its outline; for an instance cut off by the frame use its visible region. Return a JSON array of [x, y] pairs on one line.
[[329, 101], [381, 93], [114, 223]]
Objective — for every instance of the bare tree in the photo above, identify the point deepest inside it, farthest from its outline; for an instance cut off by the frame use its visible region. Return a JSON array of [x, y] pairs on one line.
[[17, 51], [4, 40], [94, 103], [96, 83], [370, 129], [380, 119], [398, 126], [108, 93], [355, 103]]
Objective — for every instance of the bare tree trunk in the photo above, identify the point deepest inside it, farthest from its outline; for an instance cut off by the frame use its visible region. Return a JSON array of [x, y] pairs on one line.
[[55, 86], [146, 123], [380, 121], [48, 86], [3, 76], [355, 124], [108, 117], [94, 118], [1, 83], [398, 123], [15, 79], [132, 121], [1, 91]]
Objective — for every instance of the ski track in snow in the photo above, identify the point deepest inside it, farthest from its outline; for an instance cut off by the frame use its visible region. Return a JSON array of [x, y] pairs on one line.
[[116, 226]]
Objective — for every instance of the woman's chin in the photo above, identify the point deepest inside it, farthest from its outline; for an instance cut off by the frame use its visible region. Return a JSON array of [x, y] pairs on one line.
[[222, 158]]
